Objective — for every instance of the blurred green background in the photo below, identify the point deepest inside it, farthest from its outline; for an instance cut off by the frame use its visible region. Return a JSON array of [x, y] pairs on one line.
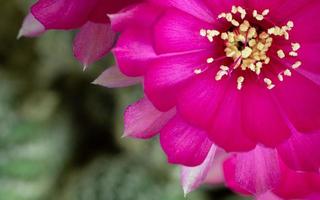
[[60, 136]]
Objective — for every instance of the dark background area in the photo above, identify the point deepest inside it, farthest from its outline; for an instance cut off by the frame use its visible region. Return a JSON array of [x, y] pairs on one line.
[[60, 135]]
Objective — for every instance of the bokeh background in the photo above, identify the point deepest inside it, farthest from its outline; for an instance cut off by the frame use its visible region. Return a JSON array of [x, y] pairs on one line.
[[60, 136]]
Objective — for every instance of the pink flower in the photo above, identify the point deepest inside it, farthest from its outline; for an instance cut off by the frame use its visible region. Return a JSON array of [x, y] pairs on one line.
[[95, 37], [262, 172], [232, 74]]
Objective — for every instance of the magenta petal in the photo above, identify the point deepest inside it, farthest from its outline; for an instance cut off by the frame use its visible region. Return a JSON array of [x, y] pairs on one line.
[[164, 80], [193, 177], [113, 78], [268, 196], [143, 15], [63, 14], [196, 8], [309, 55], [301, 151], [301, 109], [230, 176], [134, 51], [256, 171], [200, 99], [262, 119], [31, 27], [228, 123], [93, 42], [296, 185], [183, 143], [177, 31], [313, 197], [143, 120], [306, 29]]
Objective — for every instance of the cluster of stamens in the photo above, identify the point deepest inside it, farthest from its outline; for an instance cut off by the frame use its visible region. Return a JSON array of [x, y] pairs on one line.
[[248, 46]]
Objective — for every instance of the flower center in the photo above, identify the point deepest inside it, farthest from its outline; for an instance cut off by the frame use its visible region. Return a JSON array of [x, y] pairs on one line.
[[248, 45]]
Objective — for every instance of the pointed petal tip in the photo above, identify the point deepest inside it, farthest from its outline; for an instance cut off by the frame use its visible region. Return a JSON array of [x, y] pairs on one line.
[[31, 27], [124, 135], [20, 34], [85, 67], [186, 191]]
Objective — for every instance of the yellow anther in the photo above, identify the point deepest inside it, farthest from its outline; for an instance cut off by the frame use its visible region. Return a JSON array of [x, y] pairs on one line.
[[220, 74], [240, 81], [296, 65], [244, 26], [235, 22], [224, 36], [260, 46], [280, 77], [271, 30], [281, 54], [224, 68], [234, 9], [287, 72], [197, 71], [267, 61], [222, 15], [290, 24], [252, 32], [210, 60], [295, 46], [229, 17], [293, 54], [242, 11], [259, 17], [255, 13], [265, 12], [267, 81], [203, 32], [252, 42], [246, 52]]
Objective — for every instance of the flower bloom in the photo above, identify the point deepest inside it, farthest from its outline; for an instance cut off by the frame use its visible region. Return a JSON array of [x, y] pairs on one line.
[[238, 75], [95, 37]]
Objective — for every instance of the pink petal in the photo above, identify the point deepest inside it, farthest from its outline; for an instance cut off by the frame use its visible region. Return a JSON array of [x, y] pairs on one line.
[[200, 99], [218, 6], [228, 120], [299, 98], [196, 8], [268, 196], [262, 119], [63, 14], [134, 51], [308, 54], [177, 31], [168, 75], [113, 78], [301, 151], [183, 143], [296, 185], [143, 14], [256, 171], [193, 177], [93, 42], [142, 120], [31, 27], [313, 197], [306, 29], [215, 175], [109, 6], [229, 168]]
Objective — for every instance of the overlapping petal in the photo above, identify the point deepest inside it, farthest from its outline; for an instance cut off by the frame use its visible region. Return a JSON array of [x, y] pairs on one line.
[[93, 42], [183, 143], [143, 120]]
